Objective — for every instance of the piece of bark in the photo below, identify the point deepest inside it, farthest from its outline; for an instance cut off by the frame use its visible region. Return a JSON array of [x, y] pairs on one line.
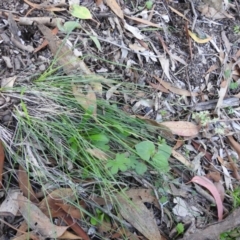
[[211, 104], [213, 231]]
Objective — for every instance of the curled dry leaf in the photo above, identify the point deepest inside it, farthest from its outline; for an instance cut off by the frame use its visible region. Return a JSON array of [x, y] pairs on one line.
[[115, 8], [235, 145], [203, 181], [197, 39], [181, 158], [9, 207], [37, 220], [175, 90], [182, 128]]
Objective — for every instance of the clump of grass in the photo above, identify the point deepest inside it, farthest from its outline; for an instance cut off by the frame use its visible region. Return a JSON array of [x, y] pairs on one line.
[[54, 137]]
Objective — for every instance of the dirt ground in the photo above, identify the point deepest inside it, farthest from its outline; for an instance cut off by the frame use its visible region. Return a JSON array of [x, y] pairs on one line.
[[185, 53]]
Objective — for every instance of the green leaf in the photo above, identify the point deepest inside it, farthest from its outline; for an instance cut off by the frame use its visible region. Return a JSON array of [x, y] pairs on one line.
[[160, 159], [97, 43], [94, 221], [149, 4], [180, 228], [145, 150], [120, 163], [80, 12], [140, 168], [70, 26], [99, 138]]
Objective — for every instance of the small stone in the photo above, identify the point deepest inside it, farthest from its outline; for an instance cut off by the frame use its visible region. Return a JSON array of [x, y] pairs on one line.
[[6, 118], [42, 67]]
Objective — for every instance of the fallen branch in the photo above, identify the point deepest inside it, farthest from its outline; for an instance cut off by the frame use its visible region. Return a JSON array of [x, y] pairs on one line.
[[213, 231]]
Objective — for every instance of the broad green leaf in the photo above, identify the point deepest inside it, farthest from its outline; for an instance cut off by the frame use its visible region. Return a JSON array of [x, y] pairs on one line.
[[80, 12], [94, 221], [70, 26], [145, 150], [180, 228], [161, 162], [140, 168], [149, 4], [160, 159], [121, 163]]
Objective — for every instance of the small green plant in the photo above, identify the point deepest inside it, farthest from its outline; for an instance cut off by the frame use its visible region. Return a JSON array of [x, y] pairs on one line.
[[149, 4], [146, 151], [202, 117], [180, 228], [99, 218], [233, 85], [236, 197], [236, 29]]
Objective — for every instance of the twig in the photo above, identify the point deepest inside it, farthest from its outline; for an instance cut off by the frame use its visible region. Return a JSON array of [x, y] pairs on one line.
[[195, 15]]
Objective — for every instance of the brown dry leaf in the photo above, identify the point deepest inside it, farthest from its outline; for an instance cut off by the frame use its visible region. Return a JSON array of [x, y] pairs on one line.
[[48, 204], [37, 220], [136, 213], [198, 147], [159, 87], [178, 144], [68, 235], [211, 12], [235, 145], [49, 21], [71, 210], [178, 13], [2, 157], [115, 7], [46, 6], [45, 42], [27, 235], [99, 154], [213, 176], [144, 21], [182, 128], [143, 194], [181, 158], [64, 56], [87, 101], [197, 39], [76, 227], [25, 186], [163, 130], [99, 2], [175, 90]]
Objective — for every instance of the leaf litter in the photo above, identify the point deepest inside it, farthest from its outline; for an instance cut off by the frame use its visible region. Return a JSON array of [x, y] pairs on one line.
[[183, 96]]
